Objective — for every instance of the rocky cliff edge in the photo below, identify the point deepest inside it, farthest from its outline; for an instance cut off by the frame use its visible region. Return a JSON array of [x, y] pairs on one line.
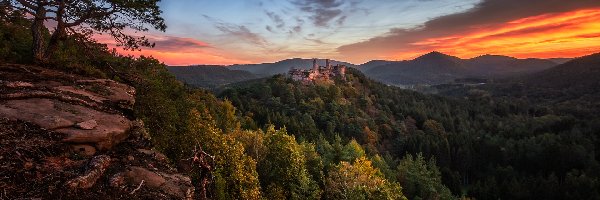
[[64, 136]]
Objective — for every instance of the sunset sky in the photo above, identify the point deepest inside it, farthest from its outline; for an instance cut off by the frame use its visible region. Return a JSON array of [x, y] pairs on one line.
[[256, 31]]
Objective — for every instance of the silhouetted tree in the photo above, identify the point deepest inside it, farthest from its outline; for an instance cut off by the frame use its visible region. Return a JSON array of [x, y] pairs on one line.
[[87, 17]]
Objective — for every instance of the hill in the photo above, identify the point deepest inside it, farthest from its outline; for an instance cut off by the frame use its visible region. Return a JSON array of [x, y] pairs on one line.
[[437, 68], [580, 74], [574, 84], [571, 87], [500, 66], [207, 76], [482, 145], [431, 68], [373, 63]]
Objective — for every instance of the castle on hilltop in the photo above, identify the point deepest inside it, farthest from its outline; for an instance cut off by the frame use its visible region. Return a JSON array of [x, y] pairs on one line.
[[318, 73]]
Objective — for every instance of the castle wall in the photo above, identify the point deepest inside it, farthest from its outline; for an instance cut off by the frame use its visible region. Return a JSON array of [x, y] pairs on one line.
[[321, 73]]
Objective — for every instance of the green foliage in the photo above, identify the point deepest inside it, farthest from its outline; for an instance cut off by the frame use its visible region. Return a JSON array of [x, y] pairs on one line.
[[283, 170], [421, 179], [473, 140], [352, 151], [15, 37], [180, 119]]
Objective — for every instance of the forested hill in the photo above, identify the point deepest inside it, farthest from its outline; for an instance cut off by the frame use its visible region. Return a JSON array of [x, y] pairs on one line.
[[569, 88], [439, 68], [485, 148]]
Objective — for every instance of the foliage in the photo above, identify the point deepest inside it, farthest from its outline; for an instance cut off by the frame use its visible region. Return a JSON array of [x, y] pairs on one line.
[[15, 37], [360, 180], [84, 18], [283, 170], [421, 179], [489, 147]]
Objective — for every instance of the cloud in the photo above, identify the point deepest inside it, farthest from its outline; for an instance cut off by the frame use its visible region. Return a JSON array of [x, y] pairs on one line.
[[323, 11], [238, 31], [276, 18], [174, 50], [485, 18], [171, 43]]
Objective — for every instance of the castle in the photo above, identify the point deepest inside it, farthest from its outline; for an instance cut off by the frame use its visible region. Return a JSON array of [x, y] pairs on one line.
[[318, 73]]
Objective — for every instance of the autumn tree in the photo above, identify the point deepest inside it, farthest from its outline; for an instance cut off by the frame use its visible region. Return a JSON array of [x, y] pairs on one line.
[[84, 18], [360, 180], [235, 173], [283, 173]]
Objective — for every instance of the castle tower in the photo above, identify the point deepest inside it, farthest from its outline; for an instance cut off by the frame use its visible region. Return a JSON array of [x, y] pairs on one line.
[[327, 63], [315, 66]]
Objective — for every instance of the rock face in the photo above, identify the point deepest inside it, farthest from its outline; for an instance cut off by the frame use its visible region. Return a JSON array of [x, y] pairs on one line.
[[61, 132]]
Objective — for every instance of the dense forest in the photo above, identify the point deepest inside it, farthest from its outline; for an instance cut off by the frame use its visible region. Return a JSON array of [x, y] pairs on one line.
[[484, 147], [352, 139]]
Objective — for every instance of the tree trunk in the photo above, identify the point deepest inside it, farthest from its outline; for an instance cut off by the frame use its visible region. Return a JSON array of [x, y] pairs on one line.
[[59, 33], [37, 30]]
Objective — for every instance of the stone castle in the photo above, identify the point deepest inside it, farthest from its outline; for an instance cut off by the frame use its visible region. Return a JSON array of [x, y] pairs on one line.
[[318, 73]]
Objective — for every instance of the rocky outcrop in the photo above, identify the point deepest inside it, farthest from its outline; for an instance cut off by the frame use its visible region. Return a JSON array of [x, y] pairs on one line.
[[64, 136]]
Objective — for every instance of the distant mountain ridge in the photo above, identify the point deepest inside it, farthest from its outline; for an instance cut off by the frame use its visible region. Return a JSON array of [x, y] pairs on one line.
[[429, 69], [437, 68], [209, 76]]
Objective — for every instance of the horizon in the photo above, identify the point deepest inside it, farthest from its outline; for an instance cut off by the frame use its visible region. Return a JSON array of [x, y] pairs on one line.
[[357, 64], [260, 31]]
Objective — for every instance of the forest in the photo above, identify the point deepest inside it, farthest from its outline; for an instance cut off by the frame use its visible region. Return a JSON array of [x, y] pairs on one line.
[[482, 146], [275, 138]]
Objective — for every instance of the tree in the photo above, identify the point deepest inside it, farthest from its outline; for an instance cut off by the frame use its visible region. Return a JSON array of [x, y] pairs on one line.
[[422, 179], [352, 151], [360, 180], [86, 17], [235, 172], [283, 172]]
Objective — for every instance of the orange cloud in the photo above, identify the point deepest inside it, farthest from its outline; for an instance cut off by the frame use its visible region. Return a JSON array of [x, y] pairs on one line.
[[568, 34], [177, 51]]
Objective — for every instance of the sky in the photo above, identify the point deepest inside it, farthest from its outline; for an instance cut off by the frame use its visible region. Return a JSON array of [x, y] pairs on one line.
[[227, 32]]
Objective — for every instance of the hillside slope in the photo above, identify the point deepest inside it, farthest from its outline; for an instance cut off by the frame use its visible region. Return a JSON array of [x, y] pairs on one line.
[[431, 68], [580, 74], [483, 146]]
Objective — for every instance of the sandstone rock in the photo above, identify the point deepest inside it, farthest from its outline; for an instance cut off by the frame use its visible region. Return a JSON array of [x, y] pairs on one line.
[[87, 125], [95, 170], [94, 97], [121, 94], [59, 116], [38, 111]]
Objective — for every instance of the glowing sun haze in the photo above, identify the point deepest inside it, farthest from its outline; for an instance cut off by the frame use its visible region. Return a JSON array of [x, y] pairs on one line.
[[255, 31]]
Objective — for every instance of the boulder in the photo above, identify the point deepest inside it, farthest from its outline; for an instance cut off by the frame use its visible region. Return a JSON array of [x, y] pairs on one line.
[[108, 130]]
